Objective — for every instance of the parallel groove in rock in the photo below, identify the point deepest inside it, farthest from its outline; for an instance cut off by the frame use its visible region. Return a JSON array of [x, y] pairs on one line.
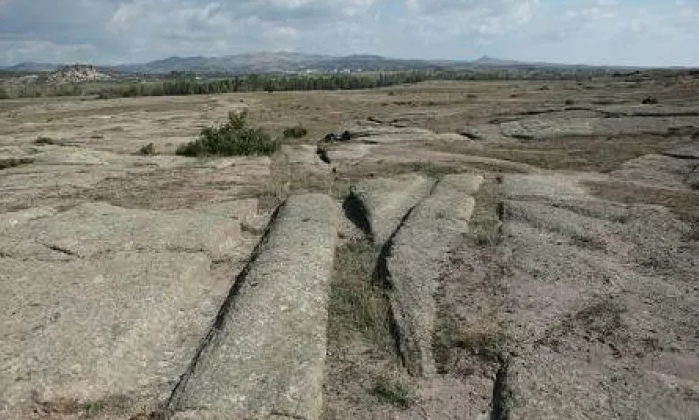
[[410, 257], [267, 355]]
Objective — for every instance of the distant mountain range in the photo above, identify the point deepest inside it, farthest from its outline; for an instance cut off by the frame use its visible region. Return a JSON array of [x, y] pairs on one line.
[[286, 62], [274, 63]]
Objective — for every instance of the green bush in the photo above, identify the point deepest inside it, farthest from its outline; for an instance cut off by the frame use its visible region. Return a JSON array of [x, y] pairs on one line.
[[391, 392], [232, 138], [147, 150], [12, 162], [295, 132], [45, 140]]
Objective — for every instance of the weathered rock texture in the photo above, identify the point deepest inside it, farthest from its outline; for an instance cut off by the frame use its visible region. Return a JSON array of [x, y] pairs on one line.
[[415, 222], [102, 303], [599, 312], [266, 354]]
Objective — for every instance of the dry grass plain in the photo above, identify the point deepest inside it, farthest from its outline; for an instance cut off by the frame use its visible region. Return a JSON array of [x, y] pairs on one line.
[[581, 255]]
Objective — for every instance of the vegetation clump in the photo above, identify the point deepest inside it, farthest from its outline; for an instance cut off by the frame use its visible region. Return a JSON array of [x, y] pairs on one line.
[[391, 392], [147, 150], [232, 138], [45, 140], [13, 162], [295, 132]]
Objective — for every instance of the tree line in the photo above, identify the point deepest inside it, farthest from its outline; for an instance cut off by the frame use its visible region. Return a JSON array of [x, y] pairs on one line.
[[191, 85], [273, 83], [269, 83]]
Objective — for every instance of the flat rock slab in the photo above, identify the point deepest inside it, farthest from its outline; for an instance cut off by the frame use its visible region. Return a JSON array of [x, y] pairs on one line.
[[306, 157], [658, 170], [650, 110], [92, 229], [387, 130], [414, 261], [643, 125], [390, 134], [484, 133], [12, 219], [84, 330], [267, 356], [687, 152], [600, 312], [73, 154], [349, 152], [549, 187], [384, 157], [66, 175], [535, 389], [384, 202], [100, 303], [548, 128], [380, 149], [551, 128]]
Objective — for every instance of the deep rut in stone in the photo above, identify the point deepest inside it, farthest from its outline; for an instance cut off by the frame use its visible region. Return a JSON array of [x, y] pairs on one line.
[[469, 346], [221, 315], [469, 342]]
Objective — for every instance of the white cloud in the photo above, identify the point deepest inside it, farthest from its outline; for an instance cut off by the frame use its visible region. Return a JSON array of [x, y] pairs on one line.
[[17, 51], [596, 31]]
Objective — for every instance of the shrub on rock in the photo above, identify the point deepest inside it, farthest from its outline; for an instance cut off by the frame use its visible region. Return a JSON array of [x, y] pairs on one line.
[[232, 138]]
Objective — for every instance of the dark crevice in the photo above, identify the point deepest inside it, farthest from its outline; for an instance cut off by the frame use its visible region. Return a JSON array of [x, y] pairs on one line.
[[470, 136], [663, 114], [451, 339], [682, 131], [61, 250], [521, 136], [614, 114], [581, 108], [516, 116], [499, 408], [501, 120], [432, 190], [382, 276], [541, 111], [359, 313], [222, 314], [681, 156], [357, 213], [287, 415], [323, 155]]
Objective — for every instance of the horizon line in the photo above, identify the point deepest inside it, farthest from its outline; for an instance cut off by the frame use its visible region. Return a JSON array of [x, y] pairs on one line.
[[450, 60]]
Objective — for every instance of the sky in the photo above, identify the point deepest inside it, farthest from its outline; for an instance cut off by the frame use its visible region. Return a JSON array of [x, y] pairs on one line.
[[610, 32]]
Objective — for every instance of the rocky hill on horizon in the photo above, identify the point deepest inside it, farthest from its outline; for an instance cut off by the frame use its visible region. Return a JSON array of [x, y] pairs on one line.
[[291, 62], [77, 73]]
